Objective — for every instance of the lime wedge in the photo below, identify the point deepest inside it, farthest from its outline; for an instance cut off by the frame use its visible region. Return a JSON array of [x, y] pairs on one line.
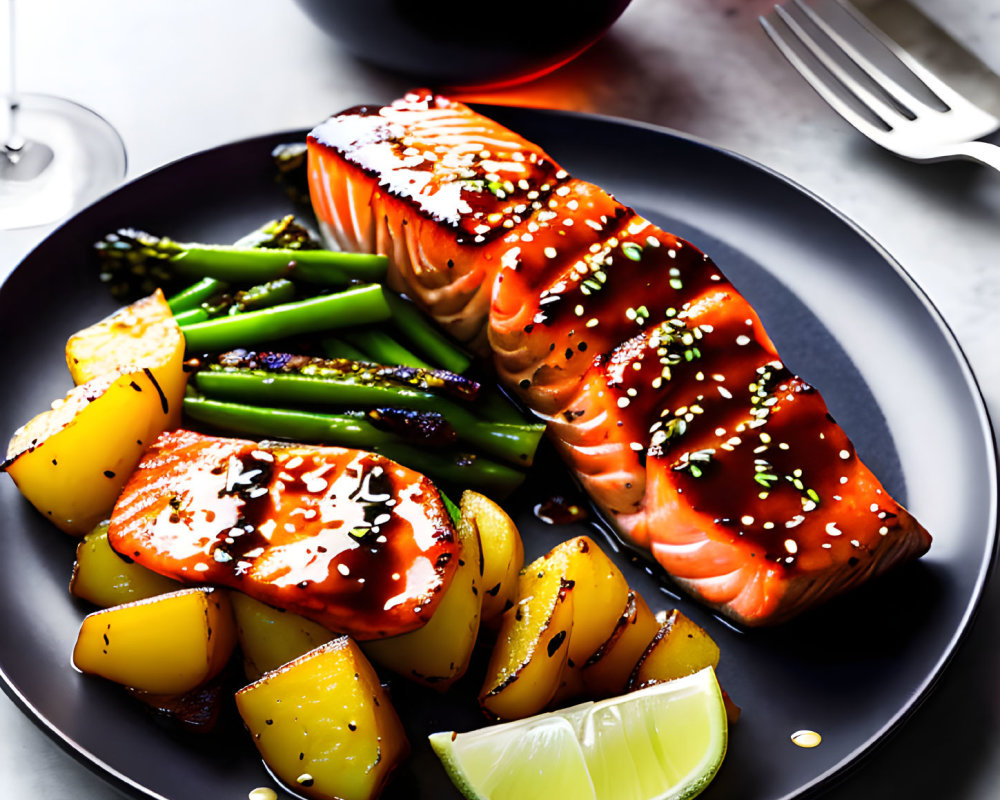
[[664, 742]]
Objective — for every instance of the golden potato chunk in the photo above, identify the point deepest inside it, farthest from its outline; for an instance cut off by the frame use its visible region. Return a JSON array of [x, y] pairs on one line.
[[103, 577], [72, 461], [503, 553], [143, 334], [600, 592], [168, 644], [607, 671], [681, 647], [270, 637], [438, 653], [324, 725], [532, 648]]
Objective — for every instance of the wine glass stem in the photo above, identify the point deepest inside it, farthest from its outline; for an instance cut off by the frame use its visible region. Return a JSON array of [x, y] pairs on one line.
[[13, 141]]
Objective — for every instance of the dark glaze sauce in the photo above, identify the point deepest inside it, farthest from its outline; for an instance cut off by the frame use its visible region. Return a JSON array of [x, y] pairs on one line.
[[788, 483], [347, 538], [748, 445], [624, 285], [491, 184], [560, 510]]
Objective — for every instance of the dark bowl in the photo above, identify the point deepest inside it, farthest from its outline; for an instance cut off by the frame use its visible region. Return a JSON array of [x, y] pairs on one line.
[[465, 43]]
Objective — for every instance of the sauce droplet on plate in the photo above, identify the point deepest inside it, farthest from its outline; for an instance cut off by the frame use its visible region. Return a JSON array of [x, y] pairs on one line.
[[559, 510], [806, 738]]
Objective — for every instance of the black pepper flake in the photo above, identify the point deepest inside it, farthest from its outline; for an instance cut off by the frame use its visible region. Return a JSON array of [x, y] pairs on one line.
[[569, 353], [352, 726], [108, 473], [524, 384], [582, 347], [556, 642]]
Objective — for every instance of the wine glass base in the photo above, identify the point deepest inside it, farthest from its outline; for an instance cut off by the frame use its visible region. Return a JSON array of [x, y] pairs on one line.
[[71, 157]]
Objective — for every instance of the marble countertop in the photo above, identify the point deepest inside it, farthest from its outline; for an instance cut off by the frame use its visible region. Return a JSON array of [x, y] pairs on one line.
[[702, 67]]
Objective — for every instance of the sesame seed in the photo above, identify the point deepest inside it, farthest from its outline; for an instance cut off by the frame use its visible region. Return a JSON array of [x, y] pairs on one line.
[[832, 529]]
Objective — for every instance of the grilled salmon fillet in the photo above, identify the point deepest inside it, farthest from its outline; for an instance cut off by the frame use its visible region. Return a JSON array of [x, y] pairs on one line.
[[347, 538], [661, 388]]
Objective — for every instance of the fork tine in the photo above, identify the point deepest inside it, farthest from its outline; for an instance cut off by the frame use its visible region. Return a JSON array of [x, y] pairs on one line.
[[883, 81], [819, 84], [890, 116], [944, 92]]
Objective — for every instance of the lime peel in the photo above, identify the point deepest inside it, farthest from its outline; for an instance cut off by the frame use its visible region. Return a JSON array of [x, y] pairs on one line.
[[664, 742]]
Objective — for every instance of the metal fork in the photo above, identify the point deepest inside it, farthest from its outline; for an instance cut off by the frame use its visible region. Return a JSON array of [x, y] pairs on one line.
[[912, 128]]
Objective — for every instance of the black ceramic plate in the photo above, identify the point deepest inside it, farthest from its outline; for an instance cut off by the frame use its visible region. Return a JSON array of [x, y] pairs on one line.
[[843, 315]]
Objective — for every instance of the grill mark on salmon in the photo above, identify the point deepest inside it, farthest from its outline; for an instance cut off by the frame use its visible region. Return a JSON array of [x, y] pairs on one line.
[[661, 388]]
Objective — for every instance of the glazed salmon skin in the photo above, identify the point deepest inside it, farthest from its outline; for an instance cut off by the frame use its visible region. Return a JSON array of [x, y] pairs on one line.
[[349, 539], [660, 386]]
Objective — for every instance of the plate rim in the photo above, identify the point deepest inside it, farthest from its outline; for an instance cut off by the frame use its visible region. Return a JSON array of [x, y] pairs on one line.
[[865, 750]]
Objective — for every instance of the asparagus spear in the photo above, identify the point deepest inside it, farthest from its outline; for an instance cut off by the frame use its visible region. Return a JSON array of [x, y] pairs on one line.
[[357, 306], [379, 347], [336, 347], [515, 444], [137, 262], [425, 337], [438, 381], [356, 431], [193, 296]]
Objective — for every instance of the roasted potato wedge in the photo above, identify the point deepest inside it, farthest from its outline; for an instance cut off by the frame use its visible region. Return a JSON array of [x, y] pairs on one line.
[[681, 647], [438, 653], [270, 637], [600, 592], [168, 644], [324, 725], [103, 577], [532, 648], [143, 334], [72, 461], [503, 554], [607, 671]]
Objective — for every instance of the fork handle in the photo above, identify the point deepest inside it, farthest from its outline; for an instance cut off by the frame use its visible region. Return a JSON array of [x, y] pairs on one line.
[[981, 152]]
